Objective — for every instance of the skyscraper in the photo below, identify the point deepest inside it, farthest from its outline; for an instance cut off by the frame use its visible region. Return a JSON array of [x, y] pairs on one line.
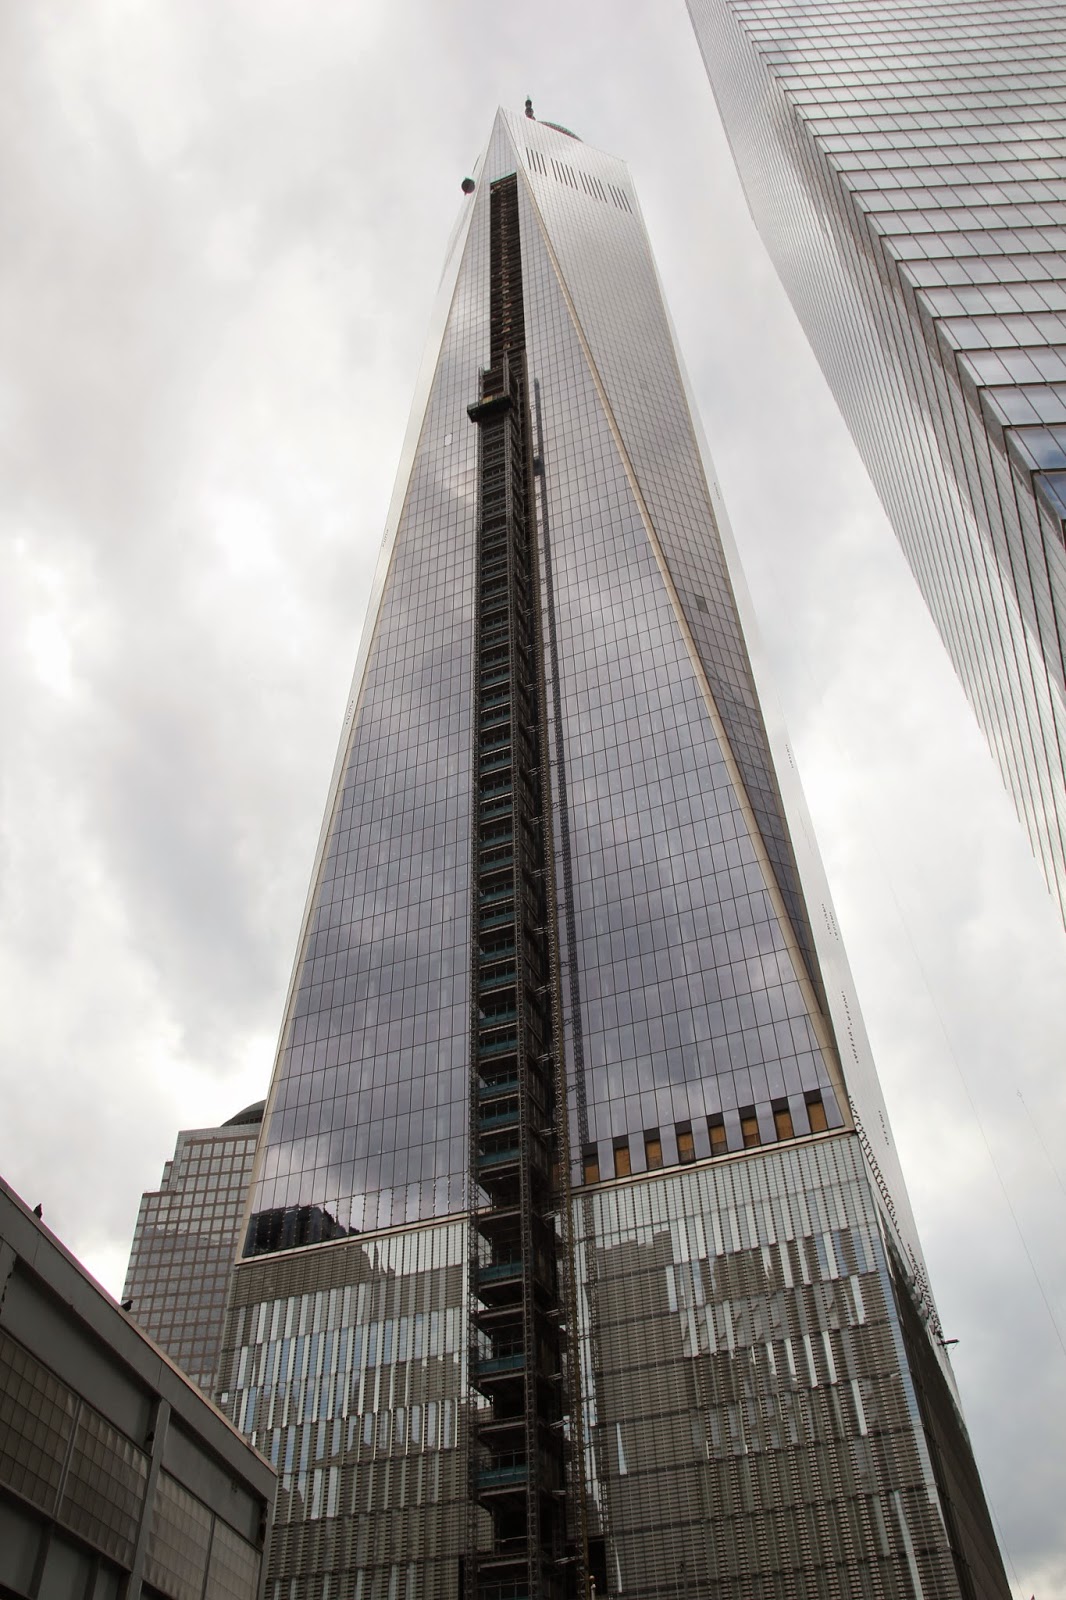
[[188, 1232], [577, 1248], [906, 167]]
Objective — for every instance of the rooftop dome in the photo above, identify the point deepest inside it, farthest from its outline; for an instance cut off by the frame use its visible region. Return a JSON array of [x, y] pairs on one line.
[[252, 1113]]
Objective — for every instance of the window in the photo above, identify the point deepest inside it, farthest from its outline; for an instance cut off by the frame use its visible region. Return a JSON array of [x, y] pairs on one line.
[[622, 1165], [816, 1114], [716, 1129], [749, 1128], [686, 1149], [590, 1160], [783, 1120], [653, 1148]]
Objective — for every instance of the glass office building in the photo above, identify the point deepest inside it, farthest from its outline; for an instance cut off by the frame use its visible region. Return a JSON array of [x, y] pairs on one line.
[[905, 163], [187, 1234], [577, 1251]]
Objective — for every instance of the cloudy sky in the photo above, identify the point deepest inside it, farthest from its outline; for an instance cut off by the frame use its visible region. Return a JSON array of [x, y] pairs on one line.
[[223, 226]]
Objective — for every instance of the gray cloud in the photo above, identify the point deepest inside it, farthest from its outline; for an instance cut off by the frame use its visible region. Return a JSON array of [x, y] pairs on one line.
[[223, 231]]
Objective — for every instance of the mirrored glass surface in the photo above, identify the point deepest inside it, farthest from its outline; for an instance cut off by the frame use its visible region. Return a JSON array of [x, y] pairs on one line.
[[906, 166]]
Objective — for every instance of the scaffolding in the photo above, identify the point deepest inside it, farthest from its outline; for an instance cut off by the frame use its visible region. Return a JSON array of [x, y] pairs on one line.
[[520, 1402]]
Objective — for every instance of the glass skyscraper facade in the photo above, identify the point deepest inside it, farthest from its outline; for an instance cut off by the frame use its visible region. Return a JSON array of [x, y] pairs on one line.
[[187, 1234], [577, 1250], [905, 163]]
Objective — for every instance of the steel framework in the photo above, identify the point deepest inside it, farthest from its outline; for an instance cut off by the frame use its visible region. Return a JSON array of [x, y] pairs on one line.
[[520, 1380]]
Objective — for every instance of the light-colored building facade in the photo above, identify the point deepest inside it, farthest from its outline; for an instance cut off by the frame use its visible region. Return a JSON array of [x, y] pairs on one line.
[[905, 164], [117, 1477], [186, 1240], [578, 1249]]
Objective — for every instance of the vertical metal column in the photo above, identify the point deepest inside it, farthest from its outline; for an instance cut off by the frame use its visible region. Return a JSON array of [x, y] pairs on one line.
[[518, 1437]]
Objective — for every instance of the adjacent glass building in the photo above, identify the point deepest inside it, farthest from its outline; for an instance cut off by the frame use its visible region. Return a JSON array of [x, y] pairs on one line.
[[577, 1250], [905, 163], [188, 1232]]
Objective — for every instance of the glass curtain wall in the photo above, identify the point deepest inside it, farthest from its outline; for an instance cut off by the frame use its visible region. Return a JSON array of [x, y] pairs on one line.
[[906, 167], [417, 1345]]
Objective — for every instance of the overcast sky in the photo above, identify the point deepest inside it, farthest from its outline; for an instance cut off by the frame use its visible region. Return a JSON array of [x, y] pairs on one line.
[[222, 229]]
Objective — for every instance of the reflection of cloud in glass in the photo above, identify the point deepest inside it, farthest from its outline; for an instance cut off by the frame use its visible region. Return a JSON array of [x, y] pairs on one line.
[[683, 982], [367, 1117]]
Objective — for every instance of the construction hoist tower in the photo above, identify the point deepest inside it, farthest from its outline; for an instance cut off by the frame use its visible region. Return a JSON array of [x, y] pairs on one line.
[[519, 1392]]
